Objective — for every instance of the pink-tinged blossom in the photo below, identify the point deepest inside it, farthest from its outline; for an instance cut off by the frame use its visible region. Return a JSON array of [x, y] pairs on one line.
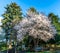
[[37, 26]]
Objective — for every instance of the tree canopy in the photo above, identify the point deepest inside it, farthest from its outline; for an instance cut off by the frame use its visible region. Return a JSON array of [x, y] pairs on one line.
[[11, 16], [37, 26], [55, 21]]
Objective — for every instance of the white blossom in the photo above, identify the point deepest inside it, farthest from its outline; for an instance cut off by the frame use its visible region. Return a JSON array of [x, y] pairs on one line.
[[37, 26]]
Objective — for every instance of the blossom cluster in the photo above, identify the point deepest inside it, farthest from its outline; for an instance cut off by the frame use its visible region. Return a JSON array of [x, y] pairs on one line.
[[37, 26]]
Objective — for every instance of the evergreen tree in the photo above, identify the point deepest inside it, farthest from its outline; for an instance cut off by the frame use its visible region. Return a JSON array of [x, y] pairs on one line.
[[55, 21], [12, 16], [33, 10]]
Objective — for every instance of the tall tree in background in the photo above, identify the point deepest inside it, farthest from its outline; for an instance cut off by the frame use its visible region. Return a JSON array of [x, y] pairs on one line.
[[55, 21], [32, 9], [11, 16]]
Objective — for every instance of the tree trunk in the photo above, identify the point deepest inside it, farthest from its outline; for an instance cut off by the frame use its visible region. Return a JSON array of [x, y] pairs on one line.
[[15, 46], [7, 45], [36, 43], [55, 47]]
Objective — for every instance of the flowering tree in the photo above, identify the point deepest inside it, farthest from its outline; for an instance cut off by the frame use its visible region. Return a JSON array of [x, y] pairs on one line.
[[36, 25]]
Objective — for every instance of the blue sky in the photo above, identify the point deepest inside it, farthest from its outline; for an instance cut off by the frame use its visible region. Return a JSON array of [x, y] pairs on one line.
[[45, 6]]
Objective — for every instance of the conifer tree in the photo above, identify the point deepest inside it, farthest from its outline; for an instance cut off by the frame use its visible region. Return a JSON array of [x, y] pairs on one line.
[[12, 16]]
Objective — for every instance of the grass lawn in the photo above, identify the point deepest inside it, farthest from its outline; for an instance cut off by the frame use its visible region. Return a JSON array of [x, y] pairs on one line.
[[46, 52]]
